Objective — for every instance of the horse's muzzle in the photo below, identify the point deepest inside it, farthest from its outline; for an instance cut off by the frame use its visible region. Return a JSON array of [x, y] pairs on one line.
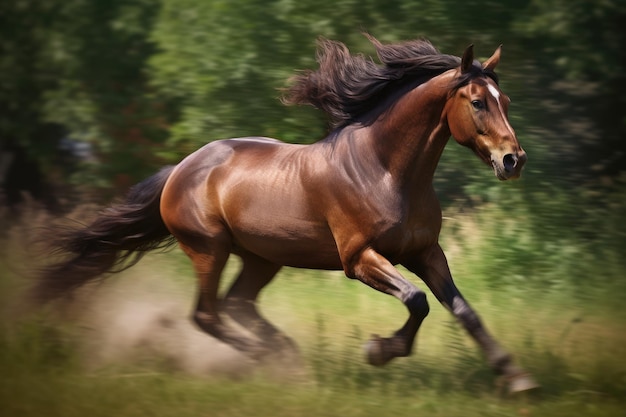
[[509, 166]]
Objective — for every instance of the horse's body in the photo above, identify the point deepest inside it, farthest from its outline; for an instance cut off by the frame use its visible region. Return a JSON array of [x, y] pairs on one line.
[[270, 203], [360, 200], [292, 204]]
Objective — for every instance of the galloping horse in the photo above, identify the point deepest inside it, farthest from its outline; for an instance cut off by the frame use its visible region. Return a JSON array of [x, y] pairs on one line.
[[360, 200]]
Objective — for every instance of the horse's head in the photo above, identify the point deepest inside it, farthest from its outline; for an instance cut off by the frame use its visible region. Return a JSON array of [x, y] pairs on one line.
[[477, 114]]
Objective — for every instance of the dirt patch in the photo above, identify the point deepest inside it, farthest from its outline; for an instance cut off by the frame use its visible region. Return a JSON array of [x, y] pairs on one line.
[[138, 319]]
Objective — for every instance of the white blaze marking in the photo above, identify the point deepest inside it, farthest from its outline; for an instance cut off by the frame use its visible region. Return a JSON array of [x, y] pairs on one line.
[[496, 94]]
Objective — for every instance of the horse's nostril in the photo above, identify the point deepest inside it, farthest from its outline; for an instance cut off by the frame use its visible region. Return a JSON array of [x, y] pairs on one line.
[[510, 162]]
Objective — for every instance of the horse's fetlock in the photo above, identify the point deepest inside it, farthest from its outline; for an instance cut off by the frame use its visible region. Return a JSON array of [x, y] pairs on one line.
[[403, 348], [501, 362]]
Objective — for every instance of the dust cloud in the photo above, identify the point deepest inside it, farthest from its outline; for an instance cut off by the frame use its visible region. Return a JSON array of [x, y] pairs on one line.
[[131, 323], [141, 318]]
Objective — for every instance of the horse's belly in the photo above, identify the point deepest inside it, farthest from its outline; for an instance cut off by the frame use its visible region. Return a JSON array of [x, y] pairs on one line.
[[301, 247]]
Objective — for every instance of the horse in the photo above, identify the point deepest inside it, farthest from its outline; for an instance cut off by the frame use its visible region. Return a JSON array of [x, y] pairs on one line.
[[359, 200]]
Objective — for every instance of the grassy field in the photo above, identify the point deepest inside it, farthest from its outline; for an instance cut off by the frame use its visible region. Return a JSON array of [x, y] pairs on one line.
[[127, 348]]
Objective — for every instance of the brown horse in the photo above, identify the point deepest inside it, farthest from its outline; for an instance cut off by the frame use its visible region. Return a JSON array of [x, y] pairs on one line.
[[360, 200]]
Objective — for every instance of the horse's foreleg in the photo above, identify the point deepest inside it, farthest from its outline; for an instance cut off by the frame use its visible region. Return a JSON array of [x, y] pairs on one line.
[[240, 304], [374, 270], [433, 268]]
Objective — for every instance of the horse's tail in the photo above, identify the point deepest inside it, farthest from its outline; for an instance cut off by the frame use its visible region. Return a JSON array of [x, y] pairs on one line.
[[116, 240]]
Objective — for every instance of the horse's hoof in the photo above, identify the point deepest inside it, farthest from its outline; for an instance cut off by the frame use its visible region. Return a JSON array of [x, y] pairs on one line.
[[375, 352], [522, 383]]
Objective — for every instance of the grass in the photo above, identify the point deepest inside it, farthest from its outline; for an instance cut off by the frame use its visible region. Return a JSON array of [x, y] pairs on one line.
[[128, 349], [46, 381]]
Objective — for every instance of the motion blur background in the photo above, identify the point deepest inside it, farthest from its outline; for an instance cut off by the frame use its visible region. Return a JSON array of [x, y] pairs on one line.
[[96, 95]]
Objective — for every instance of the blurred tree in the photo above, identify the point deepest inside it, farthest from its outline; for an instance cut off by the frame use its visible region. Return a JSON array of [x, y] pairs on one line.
[[27, 139], [99, 49], [578, 46], [223, 62], [146, 82], [75, 70]]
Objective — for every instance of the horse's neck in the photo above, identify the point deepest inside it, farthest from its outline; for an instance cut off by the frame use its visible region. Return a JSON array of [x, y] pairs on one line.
[[412, 135]]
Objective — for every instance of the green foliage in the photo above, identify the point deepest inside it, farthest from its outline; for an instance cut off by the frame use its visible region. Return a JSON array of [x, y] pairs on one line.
[[547, 240], [577, 47], [103, 96], [25, 27], [223, 62], [76, 69]]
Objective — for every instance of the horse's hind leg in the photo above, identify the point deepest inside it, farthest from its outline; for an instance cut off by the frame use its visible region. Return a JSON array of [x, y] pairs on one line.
[[209, 256], [240, 303]]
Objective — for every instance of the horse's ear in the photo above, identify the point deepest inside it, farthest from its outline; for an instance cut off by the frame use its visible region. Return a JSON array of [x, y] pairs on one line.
[[468, 59], [492, 62]]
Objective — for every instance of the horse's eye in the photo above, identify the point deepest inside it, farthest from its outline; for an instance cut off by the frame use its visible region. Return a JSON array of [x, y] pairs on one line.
[[478, 105]]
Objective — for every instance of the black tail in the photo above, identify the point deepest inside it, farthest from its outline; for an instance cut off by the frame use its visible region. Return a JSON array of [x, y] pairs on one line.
[[114, 241]]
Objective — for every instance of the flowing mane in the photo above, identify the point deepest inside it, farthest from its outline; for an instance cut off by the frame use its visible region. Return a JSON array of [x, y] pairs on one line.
[[349, 87]]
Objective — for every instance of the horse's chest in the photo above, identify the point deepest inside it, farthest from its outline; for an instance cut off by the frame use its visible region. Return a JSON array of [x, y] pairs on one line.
[[409, 232]]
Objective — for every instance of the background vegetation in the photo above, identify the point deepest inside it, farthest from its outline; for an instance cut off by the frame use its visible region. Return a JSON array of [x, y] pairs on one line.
[[95, 95]]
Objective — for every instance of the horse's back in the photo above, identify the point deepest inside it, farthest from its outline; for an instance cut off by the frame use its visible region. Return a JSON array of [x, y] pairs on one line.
[[197, 180]]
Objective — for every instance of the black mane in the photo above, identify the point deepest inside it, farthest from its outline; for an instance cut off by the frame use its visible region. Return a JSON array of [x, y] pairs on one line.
[[348, 87]]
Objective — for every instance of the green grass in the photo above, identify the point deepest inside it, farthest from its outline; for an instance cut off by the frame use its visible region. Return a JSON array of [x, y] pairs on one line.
[[42, 377], [167, 395], [128, 349]]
